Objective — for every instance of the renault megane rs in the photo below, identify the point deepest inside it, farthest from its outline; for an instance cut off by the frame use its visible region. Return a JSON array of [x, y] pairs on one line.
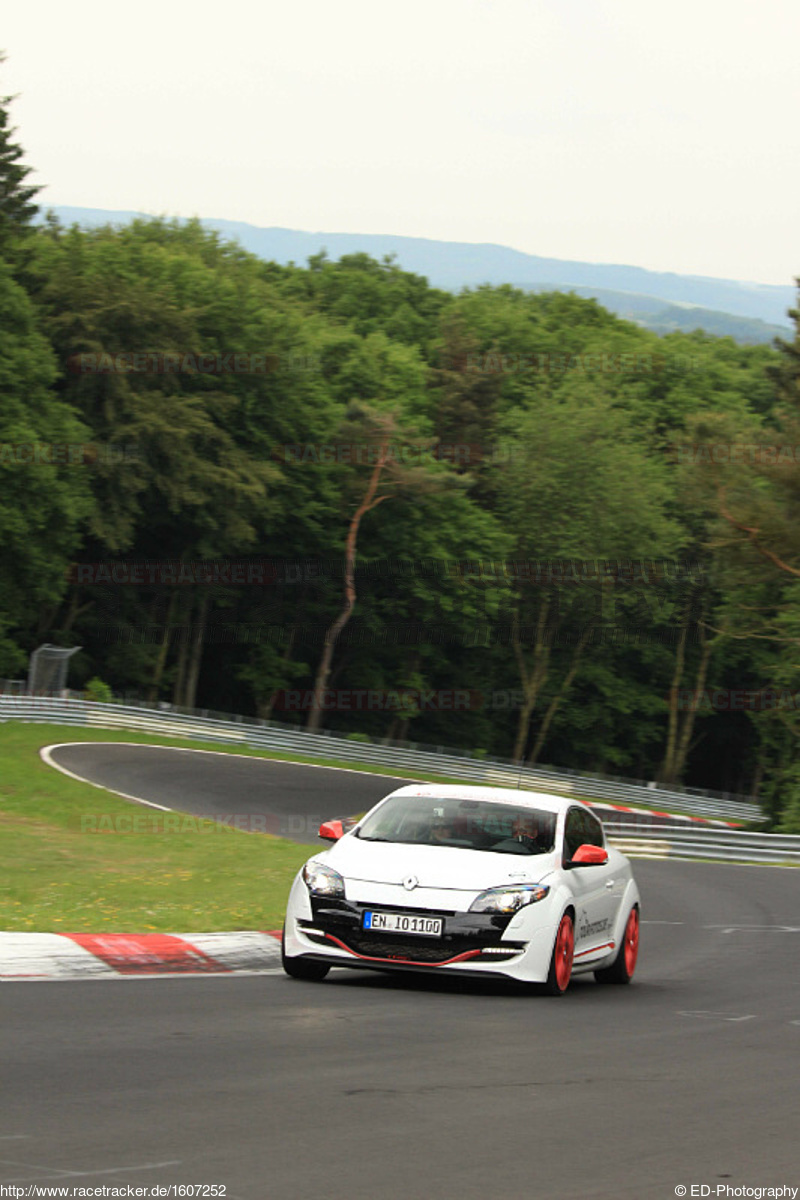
[[471, 880]]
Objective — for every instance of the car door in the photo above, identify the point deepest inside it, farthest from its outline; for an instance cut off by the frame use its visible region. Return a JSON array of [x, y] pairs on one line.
[[594, 887]]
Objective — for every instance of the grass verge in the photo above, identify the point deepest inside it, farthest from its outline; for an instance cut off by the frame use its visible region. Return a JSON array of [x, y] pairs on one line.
[[57, 879]]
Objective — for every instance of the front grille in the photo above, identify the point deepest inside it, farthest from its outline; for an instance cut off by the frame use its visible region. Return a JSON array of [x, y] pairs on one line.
[[463, 932], [420, 950]]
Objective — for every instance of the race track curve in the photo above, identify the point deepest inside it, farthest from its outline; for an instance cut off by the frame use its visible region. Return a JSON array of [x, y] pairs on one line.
[[259, 795]]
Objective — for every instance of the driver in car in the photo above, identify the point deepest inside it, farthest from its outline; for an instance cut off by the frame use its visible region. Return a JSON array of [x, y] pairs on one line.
[[525, 836], [526, 829], [441, 829]]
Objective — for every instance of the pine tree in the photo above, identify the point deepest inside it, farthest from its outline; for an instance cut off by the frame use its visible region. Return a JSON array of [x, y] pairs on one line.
[[16, 196]]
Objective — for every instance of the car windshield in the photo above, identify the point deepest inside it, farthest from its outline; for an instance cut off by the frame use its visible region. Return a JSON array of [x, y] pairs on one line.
[[461, 824]]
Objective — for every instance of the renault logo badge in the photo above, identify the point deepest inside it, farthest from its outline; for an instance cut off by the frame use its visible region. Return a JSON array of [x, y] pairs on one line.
[[410, 882]]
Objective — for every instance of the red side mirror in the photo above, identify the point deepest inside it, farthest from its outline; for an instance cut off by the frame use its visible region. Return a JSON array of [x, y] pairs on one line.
[[331, 831], [589, 856]]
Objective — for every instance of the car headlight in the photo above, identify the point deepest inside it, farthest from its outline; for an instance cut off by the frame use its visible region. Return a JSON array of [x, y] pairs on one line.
[[322, 881], [508, 899]]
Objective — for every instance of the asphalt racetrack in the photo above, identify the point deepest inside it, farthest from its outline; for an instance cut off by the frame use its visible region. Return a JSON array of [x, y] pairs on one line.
[[255, 794], [370, 1086]]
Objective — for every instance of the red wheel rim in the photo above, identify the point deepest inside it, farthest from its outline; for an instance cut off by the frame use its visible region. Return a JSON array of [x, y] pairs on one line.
[[565, 948], [632, 941]]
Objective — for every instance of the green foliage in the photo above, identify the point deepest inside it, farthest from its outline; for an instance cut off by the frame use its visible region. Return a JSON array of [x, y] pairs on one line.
[[790, 803], [98, 691], [45, 494], [16, 196], [564, 426]]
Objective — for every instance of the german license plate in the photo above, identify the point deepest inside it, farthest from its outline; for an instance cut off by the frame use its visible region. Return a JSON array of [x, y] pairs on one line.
[[389, 922]]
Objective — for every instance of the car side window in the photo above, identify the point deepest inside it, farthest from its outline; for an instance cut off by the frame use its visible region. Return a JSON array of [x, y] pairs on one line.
[[593, 831], [573, 831]]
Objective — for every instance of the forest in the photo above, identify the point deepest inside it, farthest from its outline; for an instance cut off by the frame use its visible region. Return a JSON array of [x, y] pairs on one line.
[[332, 495]]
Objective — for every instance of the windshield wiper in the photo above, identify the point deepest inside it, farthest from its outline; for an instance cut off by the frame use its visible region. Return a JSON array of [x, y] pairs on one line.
[[361, 838]]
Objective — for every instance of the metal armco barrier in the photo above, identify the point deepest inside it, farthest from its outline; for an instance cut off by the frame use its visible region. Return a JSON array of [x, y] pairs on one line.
[[723, 845], [245, 731]]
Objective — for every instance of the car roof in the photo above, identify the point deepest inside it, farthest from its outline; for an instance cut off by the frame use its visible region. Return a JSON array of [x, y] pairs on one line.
[[544, 801]]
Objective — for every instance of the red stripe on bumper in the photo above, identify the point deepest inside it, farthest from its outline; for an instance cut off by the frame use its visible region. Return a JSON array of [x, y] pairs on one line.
[[408, 961]]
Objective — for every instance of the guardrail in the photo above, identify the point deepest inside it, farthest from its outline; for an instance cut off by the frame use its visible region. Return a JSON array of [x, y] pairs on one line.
[[282, 738], [723, 845]]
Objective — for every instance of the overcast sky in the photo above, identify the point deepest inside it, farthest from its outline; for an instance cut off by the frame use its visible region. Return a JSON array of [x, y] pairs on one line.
[[663, 135]]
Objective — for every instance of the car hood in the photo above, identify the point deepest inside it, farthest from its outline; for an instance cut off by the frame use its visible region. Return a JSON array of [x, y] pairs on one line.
[[435, 867]]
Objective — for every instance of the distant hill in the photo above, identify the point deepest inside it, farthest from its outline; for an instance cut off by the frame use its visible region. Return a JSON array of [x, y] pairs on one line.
[[652, 313], [662, 301]]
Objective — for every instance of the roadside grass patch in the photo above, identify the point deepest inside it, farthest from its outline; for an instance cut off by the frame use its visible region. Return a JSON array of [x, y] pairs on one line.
[[56, 878]]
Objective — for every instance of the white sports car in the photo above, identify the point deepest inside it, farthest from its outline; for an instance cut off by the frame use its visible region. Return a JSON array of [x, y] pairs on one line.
[[476, 880]]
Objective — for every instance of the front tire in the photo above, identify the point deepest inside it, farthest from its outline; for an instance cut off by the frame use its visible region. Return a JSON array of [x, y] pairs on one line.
[[558, 976], [302, 968], [624, 965]]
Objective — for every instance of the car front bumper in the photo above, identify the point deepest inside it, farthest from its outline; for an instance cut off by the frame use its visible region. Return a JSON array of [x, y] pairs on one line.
[[512, 946]]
